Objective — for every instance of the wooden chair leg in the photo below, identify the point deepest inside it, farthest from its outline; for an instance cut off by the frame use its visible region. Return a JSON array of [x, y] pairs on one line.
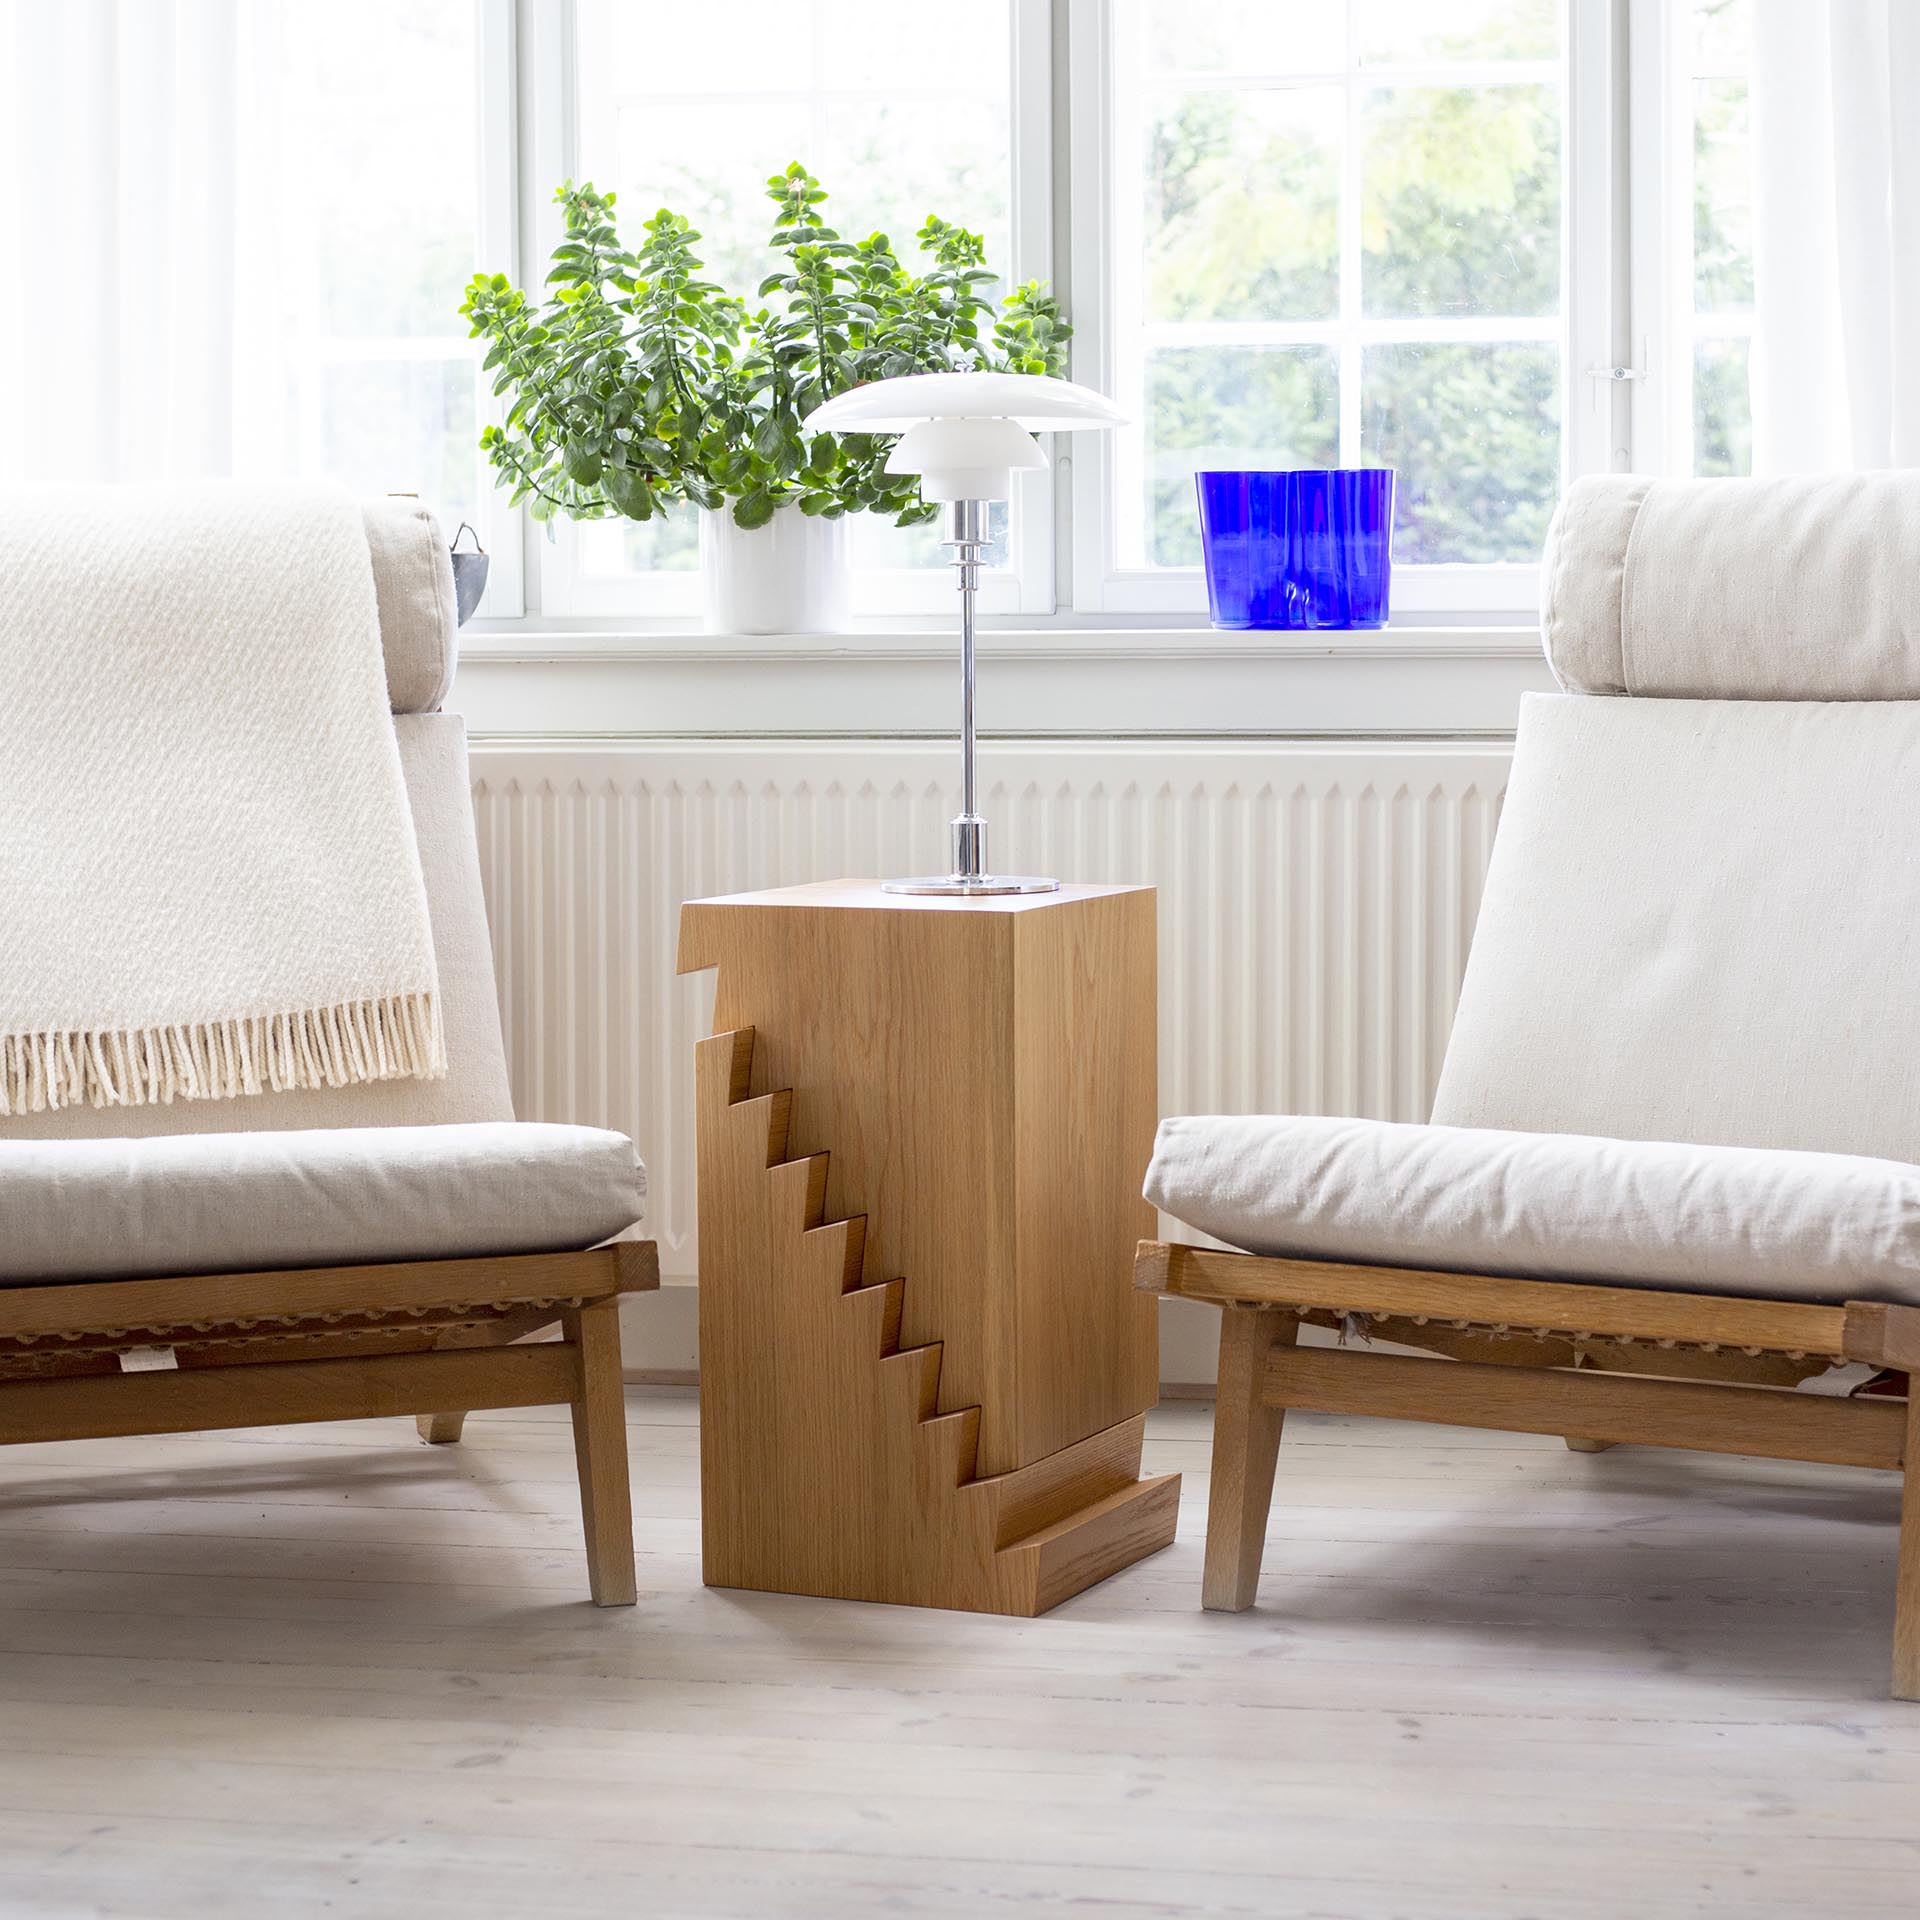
[[1906, 1593], [1246, 1441], [444, 1429], [600, 1452], [1581, 1444]]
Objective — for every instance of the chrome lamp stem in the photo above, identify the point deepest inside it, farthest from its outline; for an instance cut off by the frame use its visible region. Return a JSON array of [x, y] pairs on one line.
[[966, 536], [966, 539]]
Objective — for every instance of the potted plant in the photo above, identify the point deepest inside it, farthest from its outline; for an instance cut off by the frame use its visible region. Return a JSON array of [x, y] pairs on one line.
[[634, 383]]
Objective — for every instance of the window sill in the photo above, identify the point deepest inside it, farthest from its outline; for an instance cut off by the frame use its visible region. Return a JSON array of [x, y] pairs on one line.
[[528, 642], [900, 682]]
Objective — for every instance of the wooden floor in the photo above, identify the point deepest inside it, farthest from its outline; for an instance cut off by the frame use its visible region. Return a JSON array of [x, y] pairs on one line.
[[329, 1670]]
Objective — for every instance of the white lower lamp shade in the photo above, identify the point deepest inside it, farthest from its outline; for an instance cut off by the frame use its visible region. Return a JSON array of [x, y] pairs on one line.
[[966, 435], [966, 459]]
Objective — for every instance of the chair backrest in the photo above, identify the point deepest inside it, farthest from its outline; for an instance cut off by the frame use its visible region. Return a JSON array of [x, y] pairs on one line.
[[413, 579], [1702, 918]]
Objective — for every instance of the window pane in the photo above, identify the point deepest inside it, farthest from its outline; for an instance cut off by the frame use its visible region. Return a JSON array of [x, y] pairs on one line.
[[674, 47], [394, 426], [1435, 30], [664, 157], [873, 541], [1722, 35], [376, 96], [1717, 417], [1473, 433], [902, 48], [1244, 36], [785, 47], [370, 151], [1460, 201], [1231, 407], [1265, 319], [1243, 206], [885, 166], [669, 542], [1722, 410], [896, 124], [902, 160], [1722, 198]]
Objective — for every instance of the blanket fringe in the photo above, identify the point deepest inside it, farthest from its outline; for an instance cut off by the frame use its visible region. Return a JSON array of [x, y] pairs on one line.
[[396, 1038]]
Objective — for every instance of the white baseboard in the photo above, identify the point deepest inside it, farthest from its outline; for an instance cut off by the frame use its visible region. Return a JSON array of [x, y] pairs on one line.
[[660, 1335]]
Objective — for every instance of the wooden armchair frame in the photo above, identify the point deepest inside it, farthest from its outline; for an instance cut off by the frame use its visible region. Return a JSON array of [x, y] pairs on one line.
[[91, 1359], [1596, 1364]]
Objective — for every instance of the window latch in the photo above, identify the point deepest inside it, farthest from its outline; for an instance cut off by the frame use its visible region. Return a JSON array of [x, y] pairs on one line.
[[1617, 373]]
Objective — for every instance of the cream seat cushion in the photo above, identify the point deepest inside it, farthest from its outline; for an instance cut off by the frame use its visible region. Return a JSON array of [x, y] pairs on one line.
[[1548, 1206], [333, 1196]]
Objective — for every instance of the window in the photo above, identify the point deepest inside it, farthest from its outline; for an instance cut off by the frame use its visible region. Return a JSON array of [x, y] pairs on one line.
[[379, 220], [1492, 243], [898, 123], [1690, 276], [1706, 417], [1336, 237]]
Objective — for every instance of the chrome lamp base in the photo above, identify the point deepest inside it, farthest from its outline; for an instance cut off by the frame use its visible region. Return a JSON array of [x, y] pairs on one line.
[[970, 877], [967, 886]]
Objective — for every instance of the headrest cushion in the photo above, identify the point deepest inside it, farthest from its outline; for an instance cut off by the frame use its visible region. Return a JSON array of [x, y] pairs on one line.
[[413, 580], [1798, 588]]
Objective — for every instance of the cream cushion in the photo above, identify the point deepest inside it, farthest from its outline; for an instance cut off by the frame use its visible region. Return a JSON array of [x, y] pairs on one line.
[[413, 583], [1736, 1220], [244, 1202], [1701, 923], [1795, 588]]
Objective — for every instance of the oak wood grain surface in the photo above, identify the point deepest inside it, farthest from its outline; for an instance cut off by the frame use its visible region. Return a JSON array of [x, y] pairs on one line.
[[981, 1076], [922, 1136]]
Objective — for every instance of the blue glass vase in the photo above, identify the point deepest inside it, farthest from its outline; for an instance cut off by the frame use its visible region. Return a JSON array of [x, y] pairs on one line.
[[1310, 548]]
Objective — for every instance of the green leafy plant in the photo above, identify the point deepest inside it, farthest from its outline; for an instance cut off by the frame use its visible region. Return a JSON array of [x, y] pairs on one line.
[[635, 383]]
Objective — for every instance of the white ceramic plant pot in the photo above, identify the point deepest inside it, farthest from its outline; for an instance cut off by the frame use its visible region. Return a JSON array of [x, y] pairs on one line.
[[790, 576]]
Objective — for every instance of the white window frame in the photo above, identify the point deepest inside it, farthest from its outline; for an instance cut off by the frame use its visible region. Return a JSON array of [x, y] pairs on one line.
[[1660, 167], [1660, 176], [550, 126], [502, 528], [1101, 584]]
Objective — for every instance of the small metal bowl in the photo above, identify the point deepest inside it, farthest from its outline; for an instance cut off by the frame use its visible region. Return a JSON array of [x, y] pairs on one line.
[[469, 575]]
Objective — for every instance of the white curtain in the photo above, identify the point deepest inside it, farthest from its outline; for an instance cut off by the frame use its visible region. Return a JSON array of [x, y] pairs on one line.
[[138, 295], [1836, 243]]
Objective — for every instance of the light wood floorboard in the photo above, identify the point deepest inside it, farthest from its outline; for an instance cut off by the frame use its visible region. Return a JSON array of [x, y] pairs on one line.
[[333, 1670]]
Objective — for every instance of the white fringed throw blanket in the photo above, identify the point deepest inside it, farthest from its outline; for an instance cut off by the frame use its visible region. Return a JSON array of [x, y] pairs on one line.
[[209, 884]]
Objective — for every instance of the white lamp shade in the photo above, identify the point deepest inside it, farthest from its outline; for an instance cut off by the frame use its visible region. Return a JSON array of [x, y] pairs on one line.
[[965, 459], [1036, 401]]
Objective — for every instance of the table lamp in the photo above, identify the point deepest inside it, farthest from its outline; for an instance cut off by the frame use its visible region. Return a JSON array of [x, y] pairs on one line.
[[965, 435]]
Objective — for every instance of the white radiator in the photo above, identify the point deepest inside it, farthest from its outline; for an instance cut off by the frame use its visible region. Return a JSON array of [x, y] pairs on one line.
[[1315, 903]]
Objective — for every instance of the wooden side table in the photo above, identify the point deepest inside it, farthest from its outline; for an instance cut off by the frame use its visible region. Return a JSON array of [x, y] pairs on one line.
[[923, 1128]]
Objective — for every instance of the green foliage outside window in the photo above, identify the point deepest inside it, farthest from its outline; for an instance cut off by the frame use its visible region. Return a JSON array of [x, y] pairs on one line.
[[1459, 217], [636, 383]]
